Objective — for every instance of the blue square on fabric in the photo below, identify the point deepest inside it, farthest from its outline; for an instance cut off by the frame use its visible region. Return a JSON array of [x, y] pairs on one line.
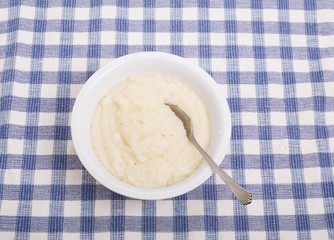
[[290, 104], [117, 223], [311, 28], [234, 104], [211, 223], [261, 78], [204, 51], [319, 103], [26, 192], [321, 132], [57, 192], [293, 131], [303, 222], [176, 26], [38, 51], [203, 3], [230, 26], [299, 190], [4, 129], [88, 192], [122, 25], [258, 27], [180, 223], [241, 223], [94, 51], [63, 105], [284, 27], [203, 26], [148, 224], [59, 162], [209, 191], [8, 75], [61, 132], [271, 222], [296, 161], [28, 161], [121, 50], [87, 224], [33, 104], [233, 77], [95, 25], [237, 132], [313, 53], [317, 76], [122, 3], [36, 77], [40, 25], [327, 189], [64, 77], [330, 222], [67, 26], [66, 51], [3, 160], [56, 224], [288, 78], [259, 52], [269, 191], [96, 3], [31, 132], [267, 161], [265, 133], [149, 25], [263, 105], [286, 52], [23, 224], [325, 159], [177, 50]]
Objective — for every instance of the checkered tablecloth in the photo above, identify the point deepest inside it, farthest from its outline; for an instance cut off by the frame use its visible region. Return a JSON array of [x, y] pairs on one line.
[[275, 63]]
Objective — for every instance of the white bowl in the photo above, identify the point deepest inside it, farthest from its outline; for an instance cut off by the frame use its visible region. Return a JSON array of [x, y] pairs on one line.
[[150, 63]]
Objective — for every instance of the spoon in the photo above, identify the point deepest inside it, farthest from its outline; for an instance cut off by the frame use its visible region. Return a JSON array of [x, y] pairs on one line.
[[243, 196]]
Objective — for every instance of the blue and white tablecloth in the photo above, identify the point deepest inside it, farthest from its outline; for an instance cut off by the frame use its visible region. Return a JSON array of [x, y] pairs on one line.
[[274, 61]]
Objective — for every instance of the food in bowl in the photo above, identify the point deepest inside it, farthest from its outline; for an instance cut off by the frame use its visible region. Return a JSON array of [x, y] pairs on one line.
[[139, 140]]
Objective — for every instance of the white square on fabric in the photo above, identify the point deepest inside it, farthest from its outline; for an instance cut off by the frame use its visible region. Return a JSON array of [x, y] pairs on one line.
[[54, 13], [80, 38], [132, 235], [190, 38], [298, 40], [282, 176], [72, 208], [8, 235], [271, 40], [291, 235], [104, 61], [15, 146], [304, 90], [20, 89], [164, 208], [257, 235], [48, 91], [226, 235], [75, 89], [39, 235], [81, 13], [70, 146], [79, 64], [308, 146], [3, 14], [162, 14], [195, 207], [18, 118], [73, 177], [280, 146], [102, 208], [133, 208], [136, 13], [325, 15], [329, 90], [315, 206], [296, 16], [270, 15], [40, 208], [243, 14], [256, 209], [107, 38], [301, 66], [312, 175], [247, 91], [44, 147], [285, 207], [306, 118], [276, 91], [319, 234], [217, 39], [108, 12], [22, 63], [162, 38], [135, 38], [274, 65], [46, 119], [101, 235], [43, 177], [251, 147], [218, 64], [245, 39], [216, 14], [278, 118], [253, 176], [24, 37], [190, 13], [329, 117], [246, 64], [52, 38], [27, 12], [324, 42], [50, 64], [198, 235], [327, 64], [249, 118], [225, 207], [8, 208], [71, 236], [12, 177]]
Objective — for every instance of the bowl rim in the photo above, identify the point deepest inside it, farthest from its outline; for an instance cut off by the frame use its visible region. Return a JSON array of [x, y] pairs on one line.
[[139, 192]]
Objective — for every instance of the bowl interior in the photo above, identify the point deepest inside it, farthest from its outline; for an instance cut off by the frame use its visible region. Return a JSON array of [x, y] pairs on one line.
[[150, 63]]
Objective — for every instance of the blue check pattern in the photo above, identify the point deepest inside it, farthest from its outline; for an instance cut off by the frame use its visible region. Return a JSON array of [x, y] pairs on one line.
[[274, 61]]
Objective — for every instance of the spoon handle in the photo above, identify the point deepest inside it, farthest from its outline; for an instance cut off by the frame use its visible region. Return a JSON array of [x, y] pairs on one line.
[[243, 196]]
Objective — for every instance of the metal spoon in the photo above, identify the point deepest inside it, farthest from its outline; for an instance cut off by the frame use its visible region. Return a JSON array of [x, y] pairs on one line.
[[243, 196]]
